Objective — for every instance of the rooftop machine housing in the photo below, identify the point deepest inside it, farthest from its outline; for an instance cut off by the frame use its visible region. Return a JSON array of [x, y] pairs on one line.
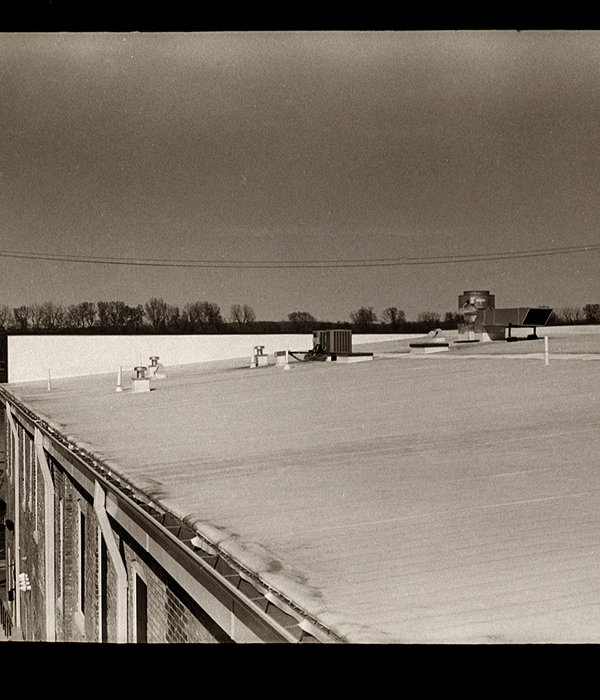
[[335, 345], [478, 299], [498, 323], [333, 341], [472, 304], [483, 320]]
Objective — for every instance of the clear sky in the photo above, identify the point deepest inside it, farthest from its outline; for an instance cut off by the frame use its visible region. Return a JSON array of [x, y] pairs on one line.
[[293, 152]]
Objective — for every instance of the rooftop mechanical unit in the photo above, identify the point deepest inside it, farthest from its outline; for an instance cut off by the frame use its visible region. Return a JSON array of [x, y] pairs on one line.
[[497, 321], [332, 345], [480, 314], [333, 341]]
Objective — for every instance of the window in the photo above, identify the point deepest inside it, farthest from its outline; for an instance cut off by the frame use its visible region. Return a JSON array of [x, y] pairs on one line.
[[103, 584], [60, 551], [27, 468], [30, 458], [35, 484], [9, 447], [81, 571], [141, 610], [22, 464]]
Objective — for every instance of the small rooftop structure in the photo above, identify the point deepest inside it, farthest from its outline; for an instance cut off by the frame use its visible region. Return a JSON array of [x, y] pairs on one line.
[[432, 342]]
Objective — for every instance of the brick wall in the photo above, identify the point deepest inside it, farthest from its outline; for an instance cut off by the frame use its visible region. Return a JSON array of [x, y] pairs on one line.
[[32, 543], [74, 623], [59, 550], [172, 615]]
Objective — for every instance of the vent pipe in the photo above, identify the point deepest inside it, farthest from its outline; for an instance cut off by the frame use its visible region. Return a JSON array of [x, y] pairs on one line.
[[140, 382], [156, 370], [259, 359]]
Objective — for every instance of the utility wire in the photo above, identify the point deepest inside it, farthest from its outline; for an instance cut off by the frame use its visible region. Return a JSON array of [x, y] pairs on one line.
[[299, 264]]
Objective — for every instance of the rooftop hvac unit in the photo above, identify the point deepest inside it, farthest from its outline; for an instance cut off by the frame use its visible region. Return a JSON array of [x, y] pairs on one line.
[[517, 316], [337, 341]]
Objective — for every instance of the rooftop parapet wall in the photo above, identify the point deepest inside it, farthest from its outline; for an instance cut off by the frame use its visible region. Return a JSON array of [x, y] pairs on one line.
[[33, 357]]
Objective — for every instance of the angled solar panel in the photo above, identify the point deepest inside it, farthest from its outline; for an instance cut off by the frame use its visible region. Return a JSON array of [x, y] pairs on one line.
[[537, 317]]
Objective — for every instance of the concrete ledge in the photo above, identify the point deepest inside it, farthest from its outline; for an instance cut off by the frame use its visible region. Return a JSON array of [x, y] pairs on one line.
[[352, 357], [427, 348], [431, 344]]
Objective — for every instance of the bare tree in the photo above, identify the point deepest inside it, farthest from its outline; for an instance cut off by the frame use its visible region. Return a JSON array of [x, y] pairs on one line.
[[570, 314], [88, 313], [453, 319], [52, 315], [592, 313], [365, 316], [36, 316], [301, 317], [393, 316], [135, 317], [156, 311], [5, 316], [82, 315], [174, 318], [203, 315], [242, 314], [74, 318], [117, 315], [430, 318], [103, 315], [22, 317]]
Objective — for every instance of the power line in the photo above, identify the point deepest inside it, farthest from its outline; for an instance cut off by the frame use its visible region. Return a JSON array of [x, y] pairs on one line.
[[299, 264]]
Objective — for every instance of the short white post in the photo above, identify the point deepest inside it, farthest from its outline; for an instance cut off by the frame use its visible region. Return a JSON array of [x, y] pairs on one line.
[[252, 358], [546, 358], [49, 382], [120, 379], [287, 359]]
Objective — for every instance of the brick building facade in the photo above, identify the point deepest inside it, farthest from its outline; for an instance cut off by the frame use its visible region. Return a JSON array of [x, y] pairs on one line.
[[89, 560]]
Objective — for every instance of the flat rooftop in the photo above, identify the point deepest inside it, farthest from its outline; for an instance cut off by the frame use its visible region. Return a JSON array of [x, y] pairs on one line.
[[451, 498]]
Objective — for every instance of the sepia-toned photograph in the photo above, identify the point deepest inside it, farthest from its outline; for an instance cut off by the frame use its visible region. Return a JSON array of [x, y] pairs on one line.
[[300, 337]]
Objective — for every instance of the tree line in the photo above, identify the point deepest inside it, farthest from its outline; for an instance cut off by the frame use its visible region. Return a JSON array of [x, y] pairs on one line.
[[157, 316], [571, 315]]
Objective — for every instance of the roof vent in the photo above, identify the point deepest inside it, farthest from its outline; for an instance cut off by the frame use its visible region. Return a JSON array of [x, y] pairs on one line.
[[140, 382], [156, 370], [258, 358]]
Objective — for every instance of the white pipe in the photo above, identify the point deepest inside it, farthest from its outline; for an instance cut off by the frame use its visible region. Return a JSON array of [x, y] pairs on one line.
[[546, 357]]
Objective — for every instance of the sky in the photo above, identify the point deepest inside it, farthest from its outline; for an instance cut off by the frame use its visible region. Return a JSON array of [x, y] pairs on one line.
[[315, 171]]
